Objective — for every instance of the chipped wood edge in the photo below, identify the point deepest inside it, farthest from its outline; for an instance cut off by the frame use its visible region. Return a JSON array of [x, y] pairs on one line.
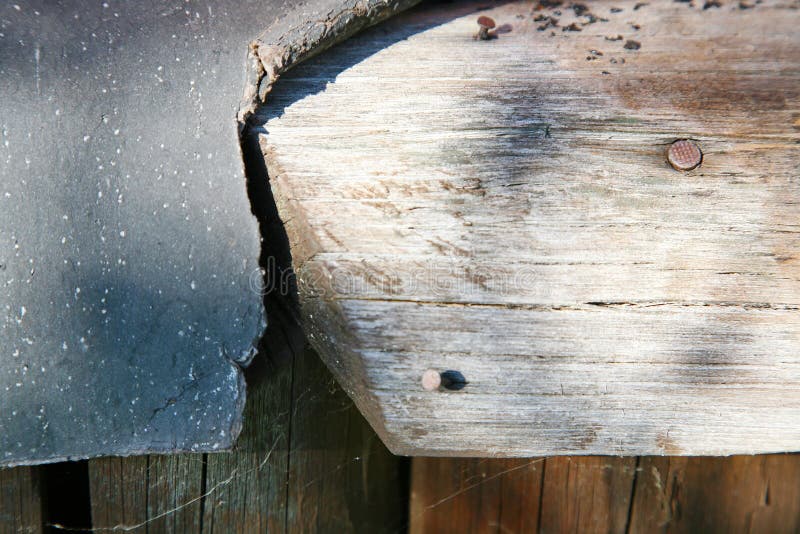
[[282, 46]]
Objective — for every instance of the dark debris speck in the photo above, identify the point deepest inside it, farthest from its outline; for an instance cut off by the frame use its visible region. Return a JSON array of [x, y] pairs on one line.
[[711, 3], [591, 18], [640, 4], [614, 38], [630, 44], [571, 28], [579, 9], [550, 22]]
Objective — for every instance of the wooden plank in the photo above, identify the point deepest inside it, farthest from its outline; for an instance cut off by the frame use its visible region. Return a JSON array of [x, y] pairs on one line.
[[735, 494], [147, 493], [341, 476], [118, 491], [247, 488], [174, 493], [475, 495], [504, 209], [606, 494], [588, 494], [20, 501]]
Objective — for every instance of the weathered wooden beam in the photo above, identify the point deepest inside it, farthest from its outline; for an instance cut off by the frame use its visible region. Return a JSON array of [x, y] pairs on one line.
[[505, 209]]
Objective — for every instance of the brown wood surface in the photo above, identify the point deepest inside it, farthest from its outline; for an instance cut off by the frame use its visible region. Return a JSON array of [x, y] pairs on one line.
[[736, 494], [586, 494], [505, 209], [557, 494], [606, 494], [20, 501], [475, 495]]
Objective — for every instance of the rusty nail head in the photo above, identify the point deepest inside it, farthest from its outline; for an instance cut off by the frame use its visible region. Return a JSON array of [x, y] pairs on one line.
[[484, 25], [684, 155], [486, 22], [431, 380]]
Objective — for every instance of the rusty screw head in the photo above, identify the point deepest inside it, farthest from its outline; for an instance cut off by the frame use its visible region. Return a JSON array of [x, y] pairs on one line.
[[431, 380], [684, 155]]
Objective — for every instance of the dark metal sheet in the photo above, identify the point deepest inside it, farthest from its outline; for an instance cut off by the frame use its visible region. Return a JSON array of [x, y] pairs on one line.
[[128, 250]]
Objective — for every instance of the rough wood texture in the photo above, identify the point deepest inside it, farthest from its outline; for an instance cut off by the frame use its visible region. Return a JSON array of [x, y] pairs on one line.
[[301, 34], [737, 494], [119, 488], [606, 494], [475, 495], [20, 501], [156, 493], [590, 494], [504, 209]]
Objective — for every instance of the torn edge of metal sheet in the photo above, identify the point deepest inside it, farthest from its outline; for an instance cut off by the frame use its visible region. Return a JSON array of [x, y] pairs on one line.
[[301, 35]]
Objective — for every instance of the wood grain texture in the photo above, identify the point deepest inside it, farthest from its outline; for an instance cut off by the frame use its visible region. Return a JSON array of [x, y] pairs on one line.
[[247, 488], [118, 491], [560, 494], [588, 494], [606, 494], [341, 477], [21, 501], [504, 209], [453, 495], [736, 494], [147, 493]]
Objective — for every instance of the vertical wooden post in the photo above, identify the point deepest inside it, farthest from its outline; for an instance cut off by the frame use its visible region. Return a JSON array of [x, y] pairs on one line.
[[20, 500]]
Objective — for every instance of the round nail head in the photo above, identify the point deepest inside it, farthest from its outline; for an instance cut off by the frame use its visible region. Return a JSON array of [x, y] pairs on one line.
[[486, 22], [431, 380], [684, 155]]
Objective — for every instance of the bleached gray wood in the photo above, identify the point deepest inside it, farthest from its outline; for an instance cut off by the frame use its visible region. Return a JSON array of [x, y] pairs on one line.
[[504, 209]]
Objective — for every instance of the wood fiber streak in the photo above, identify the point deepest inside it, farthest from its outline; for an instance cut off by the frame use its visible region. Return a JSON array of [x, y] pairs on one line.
[[504, 208]]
